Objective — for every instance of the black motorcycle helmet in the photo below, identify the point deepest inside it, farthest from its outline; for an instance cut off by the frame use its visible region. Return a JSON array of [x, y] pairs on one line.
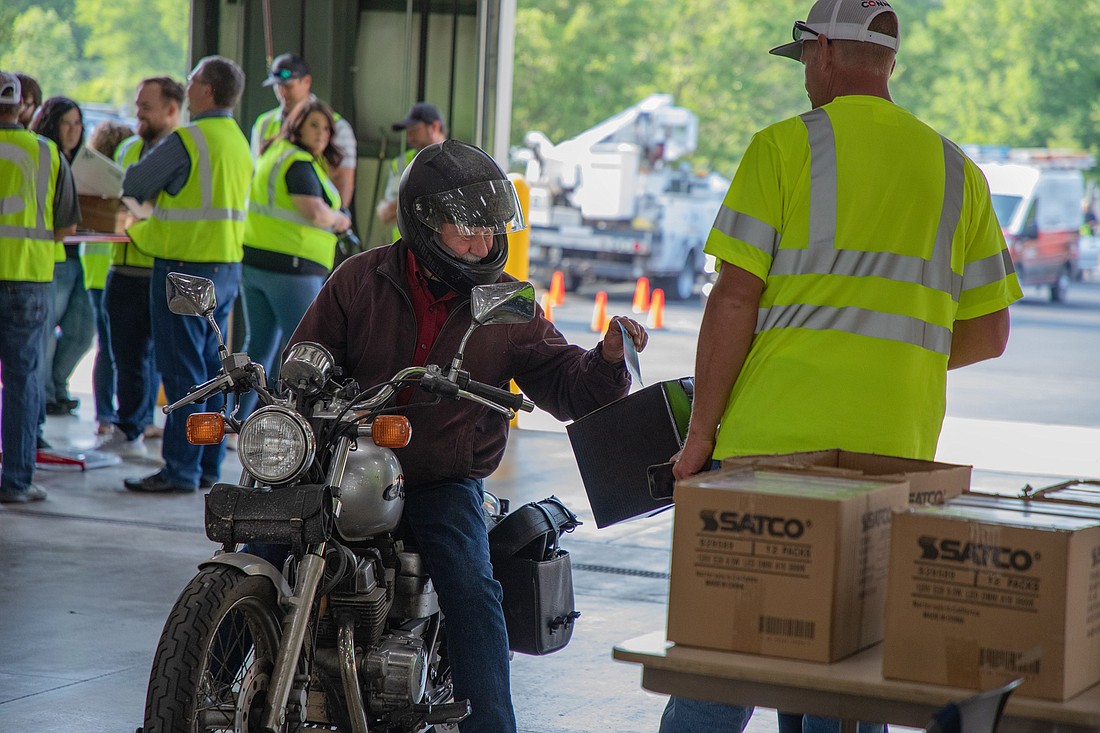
[[458, 184]]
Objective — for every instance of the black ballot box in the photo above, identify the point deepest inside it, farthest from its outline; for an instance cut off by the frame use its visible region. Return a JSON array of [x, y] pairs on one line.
[[616, 444]]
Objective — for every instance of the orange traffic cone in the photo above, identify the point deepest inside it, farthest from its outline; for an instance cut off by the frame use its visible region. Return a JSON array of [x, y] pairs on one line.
[[599, 313], [656, 321], [548, 306], [641, 295], [557, 288]]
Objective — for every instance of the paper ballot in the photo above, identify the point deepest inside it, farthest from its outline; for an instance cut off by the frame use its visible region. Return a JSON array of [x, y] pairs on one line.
[[96, 175]]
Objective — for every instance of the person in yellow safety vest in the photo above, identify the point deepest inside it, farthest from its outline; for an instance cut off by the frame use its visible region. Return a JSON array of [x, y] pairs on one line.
[[61, 120], [423, 126], [292, 82], [289, 244], [198, 177], [158, 101], [40, 208], [95, 259], [860, 260]]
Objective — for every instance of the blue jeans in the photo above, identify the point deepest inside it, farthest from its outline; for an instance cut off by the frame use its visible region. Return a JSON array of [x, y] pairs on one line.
[[25, 307], [274, 303], [103, 370], [72, 313], [186, 355], [684, 715], [447, 523], [126, 300]]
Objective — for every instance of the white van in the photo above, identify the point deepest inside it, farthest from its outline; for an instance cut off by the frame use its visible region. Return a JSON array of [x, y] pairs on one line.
[[1038, 205]]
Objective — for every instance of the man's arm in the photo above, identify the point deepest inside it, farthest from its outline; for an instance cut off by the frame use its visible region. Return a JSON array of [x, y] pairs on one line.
[[343, 176], [725, 335], [66, 207], [164, 168], [978, 339]]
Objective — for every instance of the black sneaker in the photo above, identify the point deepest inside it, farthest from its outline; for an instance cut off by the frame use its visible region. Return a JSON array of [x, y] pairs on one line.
[[156, 484], [43, 444]]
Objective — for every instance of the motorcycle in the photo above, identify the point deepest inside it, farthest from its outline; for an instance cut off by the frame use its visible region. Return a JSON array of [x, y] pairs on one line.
[[347, 634]]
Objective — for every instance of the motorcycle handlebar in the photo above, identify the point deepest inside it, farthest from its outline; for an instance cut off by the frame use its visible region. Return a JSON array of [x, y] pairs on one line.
[[500, 396], [199, 394]]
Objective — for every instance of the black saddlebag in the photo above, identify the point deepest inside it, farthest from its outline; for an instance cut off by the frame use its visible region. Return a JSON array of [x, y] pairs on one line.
[[536, 576]]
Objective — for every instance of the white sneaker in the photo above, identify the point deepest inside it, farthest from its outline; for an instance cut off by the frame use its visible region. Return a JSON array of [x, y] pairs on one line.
[[118, 445]]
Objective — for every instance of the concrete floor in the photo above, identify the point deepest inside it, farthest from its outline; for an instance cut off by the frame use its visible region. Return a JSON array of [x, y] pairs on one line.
[[88, 576]]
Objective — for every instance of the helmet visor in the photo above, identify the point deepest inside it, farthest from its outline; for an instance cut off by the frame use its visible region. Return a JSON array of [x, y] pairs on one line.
[[488, 207]]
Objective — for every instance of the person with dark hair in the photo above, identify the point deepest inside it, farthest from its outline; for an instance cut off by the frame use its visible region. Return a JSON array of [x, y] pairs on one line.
[[37, 178], [61, 121], [292, 82], [32, 99], [834, 321], [410, 301], [159, 101], [95, 259], [198, 179], [289, 240]]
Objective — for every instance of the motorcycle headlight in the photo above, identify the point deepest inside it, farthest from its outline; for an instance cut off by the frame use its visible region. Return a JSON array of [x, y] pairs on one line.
[[275, 445]]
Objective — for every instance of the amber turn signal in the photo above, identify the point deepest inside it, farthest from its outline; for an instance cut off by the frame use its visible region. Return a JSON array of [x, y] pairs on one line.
[[205, 428], [391, 431]]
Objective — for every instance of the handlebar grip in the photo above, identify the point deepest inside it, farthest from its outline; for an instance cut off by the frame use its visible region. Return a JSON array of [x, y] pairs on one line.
[[500, 396]]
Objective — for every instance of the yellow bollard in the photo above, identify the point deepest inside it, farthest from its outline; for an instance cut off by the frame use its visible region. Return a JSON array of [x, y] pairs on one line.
[[519, 245]]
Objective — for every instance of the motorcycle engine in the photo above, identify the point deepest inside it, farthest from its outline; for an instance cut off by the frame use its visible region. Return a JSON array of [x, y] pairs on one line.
[[396, 672], [372, 493]]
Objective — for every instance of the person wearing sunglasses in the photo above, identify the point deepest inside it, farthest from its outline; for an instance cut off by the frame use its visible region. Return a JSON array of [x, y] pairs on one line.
[[292, 81], [859, 259]]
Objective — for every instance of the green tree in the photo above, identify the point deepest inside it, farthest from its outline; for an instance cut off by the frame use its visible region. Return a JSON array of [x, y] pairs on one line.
[[41, 44]]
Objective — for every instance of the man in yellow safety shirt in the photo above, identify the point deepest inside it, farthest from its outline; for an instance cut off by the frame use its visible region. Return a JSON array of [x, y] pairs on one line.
[[198, 177], [860, 259], [40, 207], [158, 101]]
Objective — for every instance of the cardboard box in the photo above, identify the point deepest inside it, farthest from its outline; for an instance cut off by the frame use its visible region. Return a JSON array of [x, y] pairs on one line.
[[988, 589], [616, 444], [1083, 491], [780, 563], [104, 215], [930, 482]]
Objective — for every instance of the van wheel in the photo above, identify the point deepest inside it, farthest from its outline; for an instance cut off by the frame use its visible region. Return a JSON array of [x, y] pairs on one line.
[[1060, 288]]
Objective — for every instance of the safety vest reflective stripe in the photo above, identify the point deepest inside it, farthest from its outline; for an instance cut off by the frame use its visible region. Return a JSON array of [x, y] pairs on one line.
[[15, 203], [206, 190], [270, 209], [748, 229], [821, 256], [987, 270]]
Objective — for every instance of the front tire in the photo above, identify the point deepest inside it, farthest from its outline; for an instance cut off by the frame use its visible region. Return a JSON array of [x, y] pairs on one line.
[[212, 667]]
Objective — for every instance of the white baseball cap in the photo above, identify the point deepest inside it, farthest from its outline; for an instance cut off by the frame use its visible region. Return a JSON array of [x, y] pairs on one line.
[[11, 91], [839, 20]]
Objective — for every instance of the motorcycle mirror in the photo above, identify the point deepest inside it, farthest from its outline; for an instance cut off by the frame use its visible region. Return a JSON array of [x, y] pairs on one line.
[[190, 295], [510, 302]]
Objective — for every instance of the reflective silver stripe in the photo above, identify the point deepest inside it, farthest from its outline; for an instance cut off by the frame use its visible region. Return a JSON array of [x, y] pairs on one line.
[[276, 212], [206, 190], [7, 232], [199, 215], [987, 270], [16, 203], [954, 174], [748, 229], [819, 130], [859, 321], [273, 176]]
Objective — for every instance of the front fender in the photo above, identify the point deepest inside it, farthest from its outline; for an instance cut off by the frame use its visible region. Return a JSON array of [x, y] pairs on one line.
[[253, 565]]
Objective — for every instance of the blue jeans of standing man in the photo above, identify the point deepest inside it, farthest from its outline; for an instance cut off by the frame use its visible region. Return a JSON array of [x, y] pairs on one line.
[[187, 354], [126, 300], [103, 370], [25, 307], [447, 522], [73, 315], [274, 303]]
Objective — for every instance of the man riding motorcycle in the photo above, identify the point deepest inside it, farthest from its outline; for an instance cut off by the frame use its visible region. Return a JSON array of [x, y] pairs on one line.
[[407, 303]]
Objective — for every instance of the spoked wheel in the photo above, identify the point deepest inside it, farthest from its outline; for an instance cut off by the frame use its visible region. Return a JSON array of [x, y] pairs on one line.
[[212, 667]]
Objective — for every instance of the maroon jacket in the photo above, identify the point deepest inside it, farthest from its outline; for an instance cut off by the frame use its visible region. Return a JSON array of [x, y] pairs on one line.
[[364, 316]]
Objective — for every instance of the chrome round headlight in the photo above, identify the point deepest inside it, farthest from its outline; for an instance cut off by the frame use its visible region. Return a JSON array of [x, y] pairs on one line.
[[276, 445]]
